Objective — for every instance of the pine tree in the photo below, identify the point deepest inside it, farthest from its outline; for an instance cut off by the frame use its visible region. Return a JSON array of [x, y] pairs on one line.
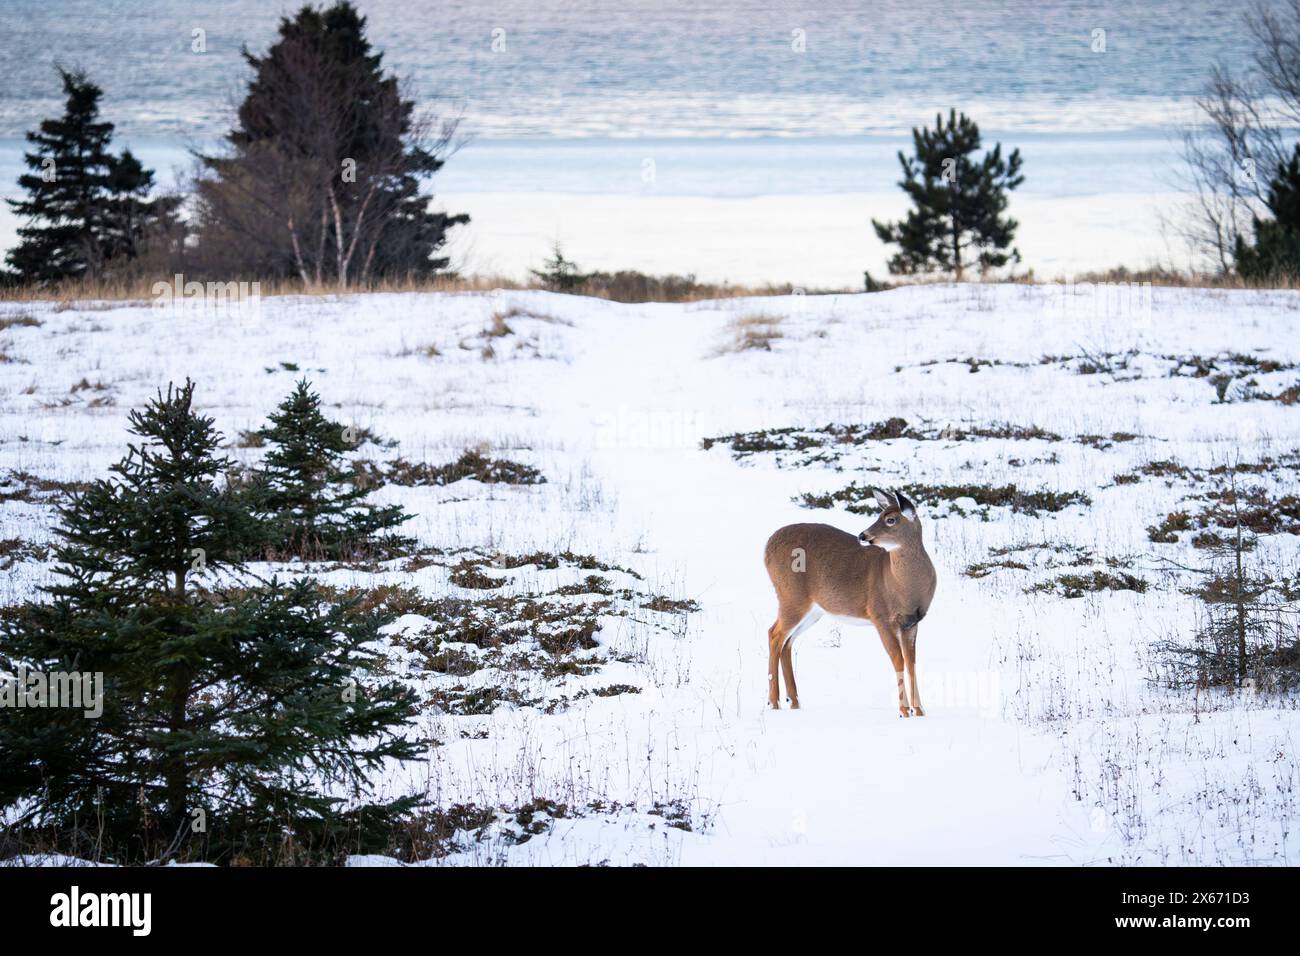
[[84, 206], [1275, 252], [322, 180], [959, 202], [227, 708], [133, 216], [561, 274], [313, 511]]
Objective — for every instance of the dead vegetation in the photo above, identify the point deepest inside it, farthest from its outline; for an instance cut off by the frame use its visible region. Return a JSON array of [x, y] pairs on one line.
[[1215, 502], [1171, 469], [1074, 585], [1246, 638], [621, 286], [1164, 468], [18, 320], [489, 832], [16, 550], [495, 645], [19, 485], [799, 446], [472, 463], [1256, 509], [1043, 554], [1234, 376], [502, 325], [625, 285], [1088, 573], [744, 444], [858, 499], [748, 333]]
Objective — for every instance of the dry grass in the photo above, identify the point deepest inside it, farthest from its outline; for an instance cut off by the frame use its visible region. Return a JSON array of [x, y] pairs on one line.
[[1156, 276], [499, 319], [498, 327], [18, 320], [755, 332], [625, 286], [1170, 278], [83, 294]]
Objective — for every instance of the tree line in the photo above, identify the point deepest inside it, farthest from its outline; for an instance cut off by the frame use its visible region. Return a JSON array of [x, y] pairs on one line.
[[319, 180]]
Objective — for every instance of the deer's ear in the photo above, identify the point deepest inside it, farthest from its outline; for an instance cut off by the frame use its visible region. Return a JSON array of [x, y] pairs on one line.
[[906, 506], [882, 499]]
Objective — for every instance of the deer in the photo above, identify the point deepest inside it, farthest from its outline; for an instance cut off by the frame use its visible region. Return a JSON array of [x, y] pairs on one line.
[[883, 577]]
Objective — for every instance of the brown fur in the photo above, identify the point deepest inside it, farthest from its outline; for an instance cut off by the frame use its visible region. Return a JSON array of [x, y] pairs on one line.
[[891, 589]]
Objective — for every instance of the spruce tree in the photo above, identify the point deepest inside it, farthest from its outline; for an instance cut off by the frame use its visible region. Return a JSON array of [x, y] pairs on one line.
[[322, 180], [133, 216], [303, 488], [228, 707], [84, 206], [957, 220], [561, 274], [1275, 253]]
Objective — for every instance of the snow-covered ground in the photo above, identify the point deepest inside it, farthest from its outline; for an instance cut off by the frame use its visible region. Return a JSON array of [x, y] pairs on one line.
[[729, 238], [1044, 741]]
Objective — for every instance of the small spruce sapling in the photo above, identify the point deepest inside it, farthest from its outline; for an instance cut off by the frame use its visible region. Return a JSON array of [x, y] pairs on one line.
[[312, 508]]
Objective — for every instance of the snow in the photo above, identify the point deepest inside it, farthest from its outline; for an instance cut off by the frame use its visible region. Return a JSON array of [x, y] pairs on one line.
[[1043, 743], [728, 238]]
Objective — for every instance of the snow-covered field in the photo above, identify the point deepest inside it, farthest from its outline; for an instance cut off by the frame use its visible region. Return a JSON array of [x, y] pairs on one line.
[[1044, 740], [728, 238]]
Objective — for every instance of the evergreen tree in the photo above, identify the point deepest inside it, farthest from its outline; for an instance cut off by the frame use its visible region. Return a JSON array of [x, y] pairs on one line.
[[133, 216], [226, 710], [561, 274], [84, 206], [959, 201], [1275, 252], [313, 510], [322, 180]]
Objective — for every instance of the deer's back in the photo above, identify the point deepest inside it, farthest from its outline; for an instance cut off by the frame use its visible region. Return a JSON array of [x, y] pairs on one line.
[[837, 570]]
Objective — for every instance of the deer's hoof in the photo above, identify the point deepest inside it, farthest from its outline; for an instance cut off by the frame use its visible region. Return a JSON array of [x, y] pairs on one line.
[[918, 712], [904, 712]]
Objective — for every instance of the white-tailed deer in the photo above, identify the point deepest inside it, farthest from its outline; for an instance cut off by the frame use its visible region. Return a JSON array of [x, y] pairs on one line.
[[882, 576]]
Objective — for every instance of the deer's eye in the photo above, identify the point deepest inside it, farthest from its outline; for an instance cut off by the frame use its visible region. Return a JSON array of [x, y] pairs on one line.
[[890, 522]]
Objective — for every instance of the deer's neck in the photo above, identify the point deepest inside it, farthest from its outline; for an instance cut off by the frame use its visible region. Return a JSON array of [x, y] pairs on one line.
[[910, 566]]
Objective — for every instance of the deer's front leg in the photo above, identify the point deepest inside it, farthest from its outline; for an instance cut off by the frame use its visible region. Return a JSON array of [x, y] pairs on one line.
[[889, 637], [908, 641]]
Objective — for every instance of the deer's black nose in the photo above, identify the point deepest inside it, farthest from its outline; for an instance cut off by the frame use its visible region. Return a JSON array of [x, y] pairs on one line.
[[864, 538]]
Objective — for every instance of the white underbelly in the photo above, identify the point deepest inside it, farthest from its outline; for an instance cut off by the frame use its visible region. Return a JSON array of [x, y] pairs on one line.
[[843, 618], [815, 614], [850, 621]]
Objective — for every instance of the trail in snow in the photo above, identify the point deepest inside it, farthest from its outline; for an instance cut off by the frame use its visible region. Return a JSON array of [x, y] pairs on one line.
[[844, 779]]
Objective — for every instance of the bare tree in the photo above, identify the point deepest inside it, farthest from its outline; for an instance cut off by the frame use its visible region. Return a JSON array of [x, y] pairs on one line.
[[1234, 153]]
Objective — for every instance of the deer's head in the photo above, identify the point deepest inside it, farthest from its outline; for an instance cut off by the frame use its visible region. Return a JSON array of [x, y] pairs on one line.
[[897, 525]]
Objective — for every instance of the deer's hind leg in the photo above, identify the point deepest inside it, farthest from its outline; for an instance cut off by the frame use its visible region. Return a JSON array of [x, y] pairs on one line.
[[787, 654], [788, 623]]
